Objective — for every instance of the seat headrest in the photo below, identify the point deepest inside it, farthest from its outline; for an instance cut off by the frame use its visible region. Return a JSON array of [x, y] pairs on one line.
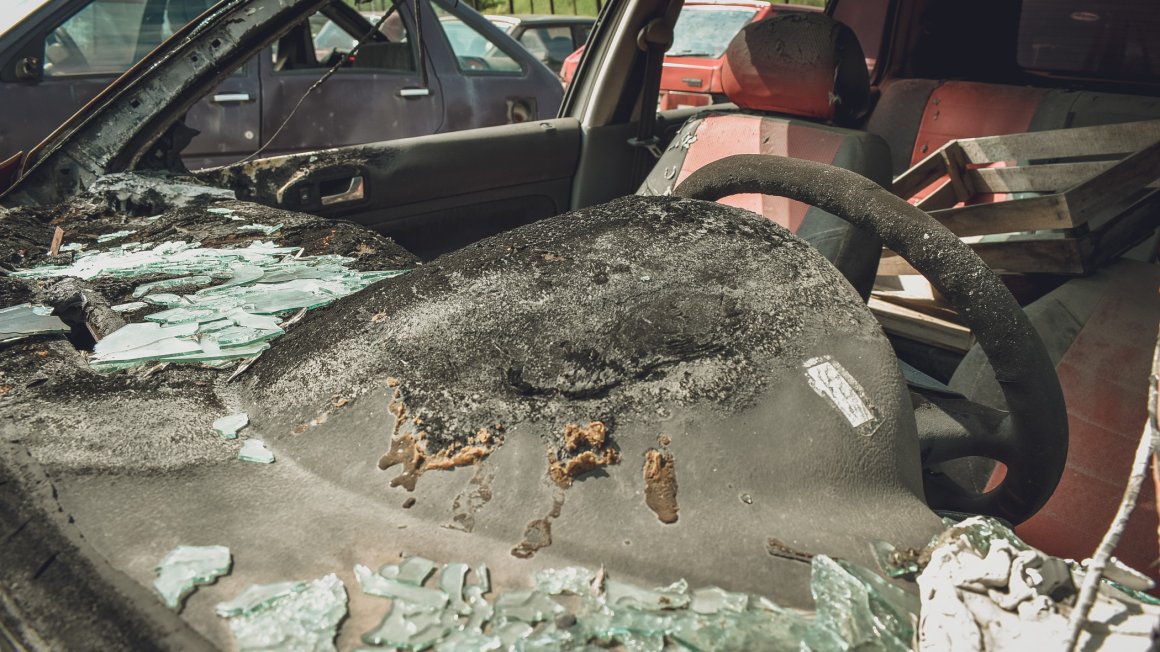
[[804, 64]]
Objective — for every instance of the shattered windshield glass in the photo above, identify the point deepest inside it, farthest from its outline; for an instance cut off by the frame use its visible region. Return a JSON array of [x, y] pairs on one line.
[[706, 31]]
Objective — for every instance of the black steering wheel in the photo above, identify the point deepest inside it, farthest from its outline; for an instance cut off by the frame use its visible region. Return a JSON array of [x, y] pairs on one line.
[[1032, 440]]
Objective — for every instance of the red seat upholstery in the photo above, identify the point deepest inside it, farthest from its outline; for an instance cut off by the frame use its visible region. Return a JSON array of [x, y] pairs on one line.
[[777, 70]]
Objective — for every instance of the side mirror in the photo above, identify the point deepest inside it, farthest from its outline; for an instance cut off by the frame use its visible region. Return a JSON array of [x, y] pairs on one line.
[[29, 69]]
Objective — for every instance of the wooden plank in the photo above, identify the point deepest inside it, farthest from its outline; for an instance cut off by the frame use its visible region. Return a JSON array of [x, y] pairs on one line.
[[914, 325], [1029, 214], [1102, 140], [942, 197], [919, 176], [1127, 230], [1034, 256], [1050, 177], [1018, 255], [1087, 201], [956, 165], [891, 264]]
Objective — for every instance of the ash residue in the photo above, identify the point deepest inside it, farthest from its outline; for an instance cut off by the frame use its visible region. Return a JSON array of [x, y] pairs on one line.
[[603, 314]]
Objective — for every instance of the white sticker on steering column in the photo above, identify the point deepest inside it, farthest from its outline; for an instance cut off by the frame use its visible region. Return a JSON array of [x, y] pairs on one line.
[[832, 382]]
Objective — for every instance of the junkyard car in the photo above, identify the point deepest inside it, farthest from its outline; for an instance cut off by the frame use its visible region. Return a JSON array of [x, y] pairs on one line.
[[542, 360], [550, 38], [692, 71], [63, 53]]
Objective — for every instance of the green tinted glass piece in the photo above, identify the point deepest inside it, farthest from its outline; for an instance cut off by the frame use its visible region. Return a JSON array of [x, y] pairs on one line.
[[621, 594], [187, 566], [255, 596], [894, 562], [410, 631], [131, 306], [526, 607], [146, 288], [451, 581], [858, 609], [412, 570], [253, 450], [375, 584], [26, 320], [713, 600], [229, 426], [573, 580], [302, 621]]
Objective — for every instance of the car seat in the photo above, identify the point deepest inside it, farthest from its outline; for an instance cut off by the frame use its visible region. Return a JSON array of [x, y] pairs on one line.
[[799, 82]]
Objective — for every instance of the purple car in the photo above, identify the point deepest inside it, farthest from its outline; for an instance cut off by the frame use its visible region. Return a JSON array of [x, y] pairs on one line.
[[63, 52]]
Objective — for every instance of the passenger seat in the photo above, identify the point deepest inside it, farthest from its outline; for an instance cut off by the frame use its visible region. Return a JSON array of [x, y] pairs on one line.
[[799, 80]]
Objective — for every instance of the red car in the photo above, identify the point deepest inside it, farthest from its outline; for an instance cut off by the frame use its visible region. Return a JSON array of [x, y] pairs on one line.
[[692, 71]]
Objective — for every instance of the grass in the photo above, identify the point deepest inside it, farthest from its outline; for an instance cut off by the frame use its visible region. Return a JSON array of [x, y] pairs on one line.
[[560, 7]]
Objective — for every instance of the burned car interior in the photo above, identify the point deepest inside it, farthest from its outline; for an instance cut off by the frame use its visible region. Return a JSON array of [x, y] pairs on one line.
[[509, 377]]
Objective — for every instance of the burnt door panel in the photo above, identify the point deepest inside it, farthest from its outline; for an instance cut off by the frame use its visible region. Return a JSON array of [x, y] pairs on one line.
[[377, 94], [229, 119], [433, 193]]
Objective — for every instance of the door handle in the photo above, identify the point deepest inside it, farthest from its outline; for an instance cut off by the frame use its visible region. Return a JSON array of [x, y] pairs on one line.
[[224, 98], [354, 192], [414, 92]]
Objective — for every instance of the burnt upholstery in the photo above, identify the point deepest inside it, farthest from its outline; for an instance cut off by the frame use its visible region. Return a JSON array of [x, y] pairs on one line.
[[801, 64], [820, 82]]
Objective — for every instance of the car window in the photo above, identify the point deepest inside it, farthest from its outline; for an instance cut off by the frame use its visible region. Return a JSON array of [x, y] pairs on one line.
[[330, 43], [474, 51], [549, 44], [706, 31], [1112, 39], [109, 36]]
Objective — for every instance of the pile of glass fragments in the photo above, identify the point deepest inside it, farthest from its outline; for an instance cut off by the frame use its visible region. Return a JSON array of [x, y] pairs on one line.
[[980, 588], [232, 316]]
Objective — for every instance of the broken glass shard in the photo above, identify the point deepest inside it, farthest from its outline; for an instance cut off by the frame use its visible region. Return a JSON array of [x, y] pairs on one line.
[[857, 608], [146, 288], [713, 600], [526, 607], [511, 633], [259, 228], [26, 320], [412, 570], [675, 596], [410, 631], [469, 641], [302, 621], [895, 562], [255, 596], [229, 426], [132, 306], [451, 582], [574, 580], [166, 299], [262, 280], [980, 531], [253, 450], [375, 584], [115, 235], [187, 566]]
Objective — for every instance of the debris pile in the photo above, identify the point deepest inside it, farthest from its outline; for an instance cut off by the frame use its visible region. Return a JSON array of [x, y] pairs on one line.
[[218, 323]]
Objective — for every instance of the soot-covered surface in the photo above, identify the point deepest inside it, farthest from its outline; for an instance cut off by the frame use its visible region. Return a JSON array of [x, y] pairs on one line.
[[604, 314], [74, 419]]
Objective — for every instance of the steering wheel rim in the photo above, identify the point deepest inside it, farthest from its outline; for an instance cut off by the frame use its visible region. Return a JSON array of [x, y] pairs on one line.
[[1032, 440]]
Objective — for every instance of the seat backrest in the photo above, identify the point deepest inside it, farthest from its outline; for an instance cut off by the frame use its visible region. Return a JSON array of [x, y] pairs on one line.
[[797, 79]]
